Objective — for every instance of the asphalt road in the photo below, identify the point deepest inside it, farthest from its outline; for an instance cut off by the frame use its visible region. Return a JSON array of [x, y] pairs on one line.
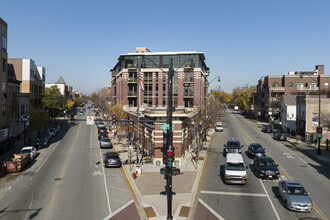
[[258, 199], [66, 181]]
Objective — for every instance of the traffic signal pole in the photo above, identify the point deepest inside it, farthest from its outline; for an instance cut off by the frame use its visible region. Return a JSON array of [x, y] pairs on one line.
[[169, 164]]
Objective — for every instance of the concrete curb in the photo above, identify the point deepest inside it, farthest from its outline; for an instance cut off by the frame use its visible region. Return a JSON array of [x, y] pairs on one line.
[[199, 175]]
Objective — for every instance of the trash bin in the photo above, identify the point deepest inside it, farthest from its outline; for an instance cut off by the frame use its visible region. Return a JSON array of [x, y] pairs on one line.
[[134, 175], [138, 170]]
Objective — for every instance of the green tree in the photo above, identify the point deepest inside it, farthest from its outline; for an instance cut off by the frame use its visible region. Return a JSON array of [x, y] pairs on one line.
[[241, 96], [52, 101], [38, 119], [223, 96]]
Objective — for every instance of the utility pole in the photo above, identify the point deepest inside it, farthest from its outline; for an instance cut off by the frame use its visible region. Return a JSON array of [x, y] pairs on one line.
[[138, 112]]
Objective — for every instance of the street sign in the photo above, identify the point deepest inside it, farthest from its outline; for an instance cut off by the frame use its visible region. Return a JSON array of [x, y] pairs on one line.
[[319, 135], [270, 111], [90, 120], [166, 126]]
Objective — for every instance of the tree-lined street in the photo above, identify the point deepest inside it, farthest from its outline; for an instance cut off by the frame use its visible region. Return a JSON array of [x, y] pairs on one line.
[[259, 199]]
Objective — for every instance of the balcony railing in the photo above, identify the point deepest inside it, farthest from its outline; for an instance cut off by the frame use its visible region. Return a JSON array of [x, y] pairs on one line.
[[277, 88], [132, 93], [132, 79], [308, 89], [188, 94]]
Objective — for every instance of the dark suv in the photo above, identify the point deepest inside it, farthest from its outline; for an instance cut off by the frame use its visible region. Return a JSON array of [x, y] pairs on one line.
[[266, 168], [233, 146], [267, 129]]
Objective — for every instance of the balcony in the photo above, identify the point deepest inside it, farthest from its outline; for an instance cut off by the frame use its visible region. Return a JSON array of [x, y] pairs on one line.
[[188, 94], [308, 89], [189, 79], [274, 89], [132, 93], [132, 80]]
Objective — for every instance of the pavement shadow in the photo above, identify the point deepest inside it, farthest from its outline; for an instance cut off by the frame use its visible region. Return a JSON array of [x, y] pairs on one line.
[[222, 173], [324, 170], [275, 190], [253, 171]]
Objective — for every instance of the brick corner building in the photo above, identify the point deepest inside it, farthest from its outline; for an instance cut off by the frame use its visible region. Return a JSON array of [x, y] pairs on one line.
[[190, 90]]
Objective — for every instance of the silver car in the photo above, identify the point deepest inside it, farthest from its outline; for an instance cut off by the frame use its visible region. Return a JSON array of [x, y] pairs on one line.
[[295, 196], [105, 142]]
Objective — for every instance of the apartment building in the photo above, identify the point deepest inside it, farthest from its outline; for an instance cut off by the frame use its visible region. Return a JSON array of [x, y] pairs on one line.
[[4, 128], [33, 81], [190, 88], [271, 88]]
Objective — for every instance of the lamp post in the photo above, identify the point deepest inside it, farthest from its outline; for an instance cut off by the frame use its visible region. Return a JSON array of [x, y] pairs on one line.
[[318, 151]]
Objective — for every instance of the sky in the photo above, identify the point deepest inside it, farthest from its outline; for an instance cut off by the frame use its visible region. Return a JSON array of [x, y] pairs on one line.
[[242, 40]]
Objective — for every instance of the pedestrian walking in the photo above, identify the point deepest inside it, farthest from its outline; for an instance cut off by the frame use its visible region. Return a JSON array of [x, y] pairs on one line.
[[315, 142]]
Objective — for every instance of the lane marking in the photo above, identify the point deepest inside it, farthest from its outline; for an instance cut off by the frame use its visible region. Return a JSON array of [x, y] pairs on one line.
[[290, 178], [270, 201], [105, 181], [118, 188], [234, 193], [318, 210], [210, 209], [48, 156], [51, 204], [298, 156], [29, 207]]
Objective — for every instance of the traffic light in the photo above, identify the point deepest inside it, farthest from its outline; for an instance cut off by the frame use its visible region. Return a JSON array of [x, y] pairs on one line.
[[114, 119], [170, 156], [164, 147]]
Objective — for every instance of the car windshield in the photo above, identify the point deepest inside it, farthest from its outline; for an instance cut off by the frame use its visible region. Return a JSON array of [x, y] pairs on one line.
[[106, 139], [51, 129], [267, 163], [235, 166], [25, 151], [233, 144], [297, 191], [256, 147]]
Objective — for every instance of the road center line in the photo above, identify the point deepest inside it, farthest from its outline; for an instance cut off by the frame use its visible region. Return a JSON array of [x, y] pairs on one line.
[[234, 193]]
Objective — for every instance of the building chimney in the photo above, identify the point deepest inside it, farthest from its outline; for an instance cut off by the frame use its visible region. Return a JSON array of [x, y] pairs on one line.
[[319, 69]]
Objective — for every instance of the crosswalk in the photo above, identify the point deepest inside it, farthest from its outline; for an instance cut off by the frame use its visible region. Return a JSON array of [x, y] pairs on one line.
[[282, 177]]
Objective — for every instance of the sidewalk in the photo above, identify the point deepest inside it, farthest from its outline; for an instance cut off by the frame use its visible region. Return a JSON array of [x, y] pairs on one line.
[[307, 149], [148, 186]]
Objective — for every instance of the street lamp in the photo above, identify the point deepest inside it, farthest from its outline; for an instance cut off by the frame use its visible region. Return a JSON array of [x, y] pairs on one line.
[[318, 152]]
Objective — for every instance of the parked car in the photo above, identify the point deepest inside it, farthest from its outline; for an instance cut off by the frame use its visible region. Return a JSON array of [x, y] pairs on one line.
[[46, 135], [233, 146], [102, 130], [57, 128], [81, 113], [105, 142], [294, 196], [102, 134], [100, 125], [279, 136], [31, 150], [265, 167], [41, 142], [267, 129], [52, 131], [256, 150], [236, 108], [112, 160]]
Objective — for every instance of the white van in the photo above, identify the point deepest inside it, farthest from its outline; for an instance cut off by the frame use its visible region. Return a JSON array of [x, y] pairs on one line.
[[235, 170]]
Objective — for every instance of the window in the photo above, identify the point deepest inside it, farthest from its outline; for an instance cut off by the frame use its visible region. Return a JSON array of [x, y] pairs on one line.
[[4, 42], [312, 85], [275, 84], [326, 85], [290, 84], [300, 85]]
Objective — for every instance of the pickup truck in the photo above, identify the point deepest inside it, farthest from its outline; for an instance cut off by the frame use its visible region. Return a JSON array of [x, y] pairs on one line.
[[16, 163]]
